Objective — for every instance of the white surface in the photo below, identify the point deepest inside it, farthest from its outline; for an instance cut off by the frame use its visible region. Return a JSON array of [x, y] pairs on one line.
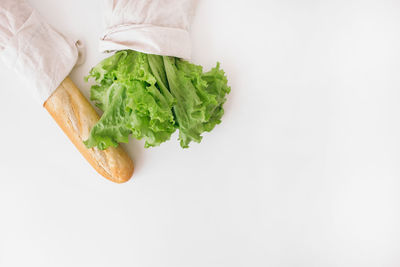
[[303, 171]]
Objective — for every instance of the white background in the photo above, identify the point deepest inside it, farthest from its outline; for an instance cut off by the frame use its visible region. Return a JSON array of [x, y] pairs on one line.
[[303, 171]]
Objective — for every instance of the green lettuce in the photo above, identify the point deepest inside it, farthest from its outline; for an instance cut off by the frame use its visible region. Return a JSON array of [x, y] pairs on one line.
[[150, 97]]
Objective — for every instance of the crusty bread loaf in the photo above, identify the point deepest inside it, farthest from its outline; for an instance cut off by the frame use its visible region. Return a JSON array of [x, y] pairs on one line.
[[76, 117]]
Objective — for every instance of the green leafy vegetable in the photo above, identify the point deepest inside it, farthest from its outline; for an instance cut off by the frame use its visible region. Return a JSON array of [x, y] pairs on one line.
[[151, 96]]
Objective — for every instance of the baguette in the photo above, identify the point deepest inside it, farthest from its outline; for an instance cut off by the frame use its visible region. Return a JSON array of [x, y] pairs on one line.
[[76, 117]]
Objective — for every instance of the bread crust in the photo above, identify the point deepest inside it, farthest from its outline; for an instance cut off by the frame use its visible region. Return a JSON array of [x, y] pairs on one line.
[[76, 117]]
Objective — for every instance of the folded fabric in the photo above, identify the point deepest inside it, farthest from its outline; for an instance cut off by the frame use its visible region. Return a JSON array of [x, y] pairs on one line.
[[150, 26], [38, 53]]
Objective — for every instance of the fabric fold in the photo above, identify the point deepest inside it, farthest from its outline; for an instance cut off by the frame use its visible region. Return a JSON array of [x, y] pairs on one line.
[[37, 52], [158, 27], [149, 39]]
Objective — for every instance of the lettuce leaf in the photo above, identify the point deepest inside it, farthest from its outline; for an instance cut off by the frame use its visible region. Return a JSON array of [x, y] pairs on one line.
[[150, 97]]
